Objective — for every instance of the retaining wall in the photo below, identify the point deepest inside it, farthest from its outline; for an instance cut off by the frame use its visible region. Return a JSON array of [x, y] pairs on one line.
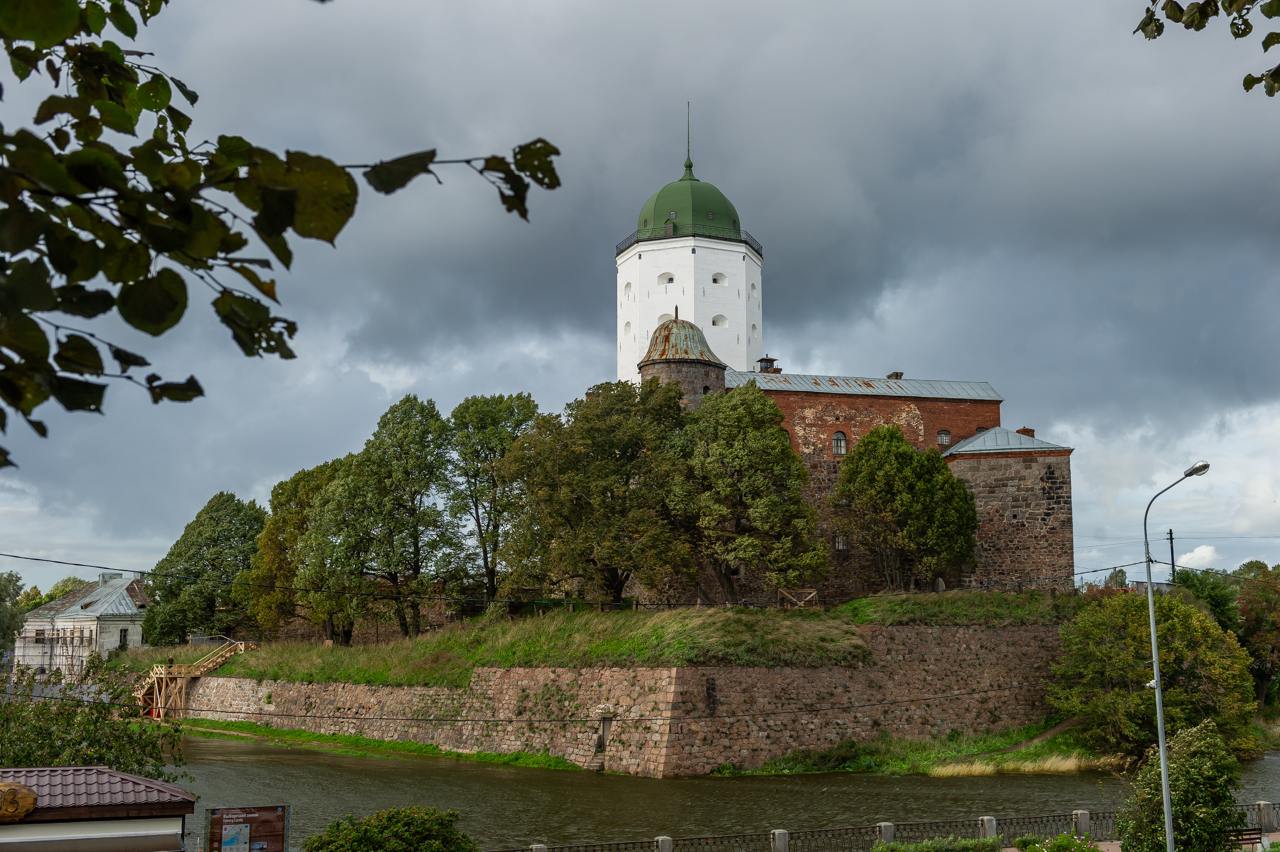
[[918, 682]]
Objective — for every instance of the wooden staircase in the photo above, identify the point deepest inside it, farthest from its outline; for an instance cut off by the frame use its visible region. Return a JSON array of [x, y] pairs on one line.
[[163, 694]]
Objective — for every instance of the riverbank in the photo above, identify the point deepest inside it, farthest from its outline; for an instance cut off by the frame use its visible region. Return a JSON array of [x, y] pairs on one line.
[[355, 746]]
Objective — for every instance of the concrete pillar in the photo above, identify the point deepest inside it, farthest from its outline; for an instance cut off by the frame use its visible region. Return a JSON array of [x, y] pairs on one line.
[[779, 840], [1080, 823], [1266, 816], [987, 827], [664, 843], [885, 830]]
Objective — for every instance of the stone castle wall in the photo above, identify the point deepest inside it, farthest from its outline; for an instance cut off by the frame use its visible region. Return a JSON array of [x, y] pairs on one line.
[[1024, 518], [918, 682]]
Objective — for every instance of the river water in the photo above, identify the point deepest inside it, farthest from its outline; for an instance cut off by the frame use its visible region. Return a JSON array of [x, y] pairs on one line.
[[508, 807]]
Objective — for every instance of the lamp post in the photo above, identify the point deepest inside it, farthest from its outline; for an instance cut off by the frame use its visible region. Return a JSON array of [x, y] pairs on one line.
[[1197, 469]]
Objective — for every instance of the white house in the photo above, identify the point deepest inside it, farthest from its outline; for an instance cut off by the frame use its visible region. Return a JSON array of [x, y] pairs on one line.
[[99, 618]]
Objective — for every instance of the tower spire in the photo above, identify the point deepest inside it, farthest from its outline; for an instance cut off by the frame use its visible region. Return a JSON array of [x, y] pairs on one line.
[[688, 141]]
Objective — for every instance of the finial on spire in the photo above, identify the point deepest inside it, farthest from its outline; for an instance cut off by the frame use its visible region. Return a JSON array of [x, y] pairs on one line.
[[677, 312], [688, 141]]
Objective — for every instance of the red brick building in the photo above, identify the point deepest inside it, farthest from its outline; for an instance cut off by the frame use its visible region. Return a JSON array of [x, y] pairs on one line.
[[1020, 483]]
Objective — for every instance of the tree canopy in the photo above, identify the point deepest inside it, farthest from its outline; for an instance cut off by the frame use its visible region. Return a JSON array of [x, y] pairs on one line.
[[1105, 667], [191, 587], [905, 510], [1259, 606], [1238, 15], [11, 610], [112, 213]]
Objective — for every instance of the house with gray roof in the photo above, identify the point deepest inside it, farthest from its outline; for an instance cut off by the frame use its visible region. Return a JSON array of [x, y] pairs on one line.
[[97, 619]]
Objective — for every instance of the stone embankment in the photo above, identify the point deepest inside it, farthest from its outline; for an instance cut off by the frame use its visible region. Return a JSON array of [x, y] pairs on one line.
[[918, 682]]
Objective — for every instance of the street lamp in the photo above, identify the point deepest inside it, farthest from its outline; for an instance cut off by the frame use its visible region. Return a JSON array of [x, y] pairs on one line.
[[1197, 469]]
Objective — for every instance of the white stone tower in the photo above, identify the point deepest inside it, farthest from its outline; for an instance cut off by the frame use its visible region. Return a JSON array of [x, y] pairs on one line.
[[689, 250]]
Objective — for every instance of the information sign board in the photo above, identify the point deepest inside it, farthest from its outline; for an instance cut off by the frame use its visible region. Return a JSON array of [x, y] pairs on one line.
[[259, 829]]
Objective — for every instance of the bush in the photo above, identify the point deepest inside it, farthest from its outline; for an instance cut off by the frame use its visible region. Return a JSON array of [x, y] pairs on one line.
[[1105, 666], [1061, 843], [943, 844], [1202, 780], [394, 830]]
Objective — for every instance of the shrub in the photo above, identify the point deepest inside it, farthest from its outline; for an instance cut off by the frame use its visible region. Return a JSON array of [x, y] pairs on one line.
[[1105, 667], [394, 830], [1202, 781], [943, 844], [1061, 843]]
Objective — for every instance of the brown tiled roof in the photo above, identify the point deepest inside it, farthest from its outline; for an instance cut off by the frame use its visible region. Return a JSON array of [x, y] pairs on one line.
[[94, 787], [54, 607]]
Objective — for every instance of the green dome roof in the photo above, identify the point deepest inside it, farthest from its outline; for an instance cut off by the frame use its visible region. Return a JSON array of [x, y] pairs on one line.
[[679, 340], [693, 208]]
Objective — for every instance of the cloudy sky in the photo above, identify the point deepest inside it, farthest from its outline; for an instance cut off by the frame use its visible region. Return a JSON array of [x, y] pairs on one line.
[[1045, 202]]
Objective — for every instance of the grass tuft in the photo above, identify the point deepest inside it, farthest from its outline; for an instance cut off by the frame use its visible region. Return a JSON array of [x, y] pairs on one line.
[[996, 609]]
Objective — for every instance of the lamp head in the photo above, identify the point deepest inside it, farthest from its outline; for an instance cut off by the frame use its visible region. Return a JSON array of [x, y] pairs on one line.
[[1200, 468]]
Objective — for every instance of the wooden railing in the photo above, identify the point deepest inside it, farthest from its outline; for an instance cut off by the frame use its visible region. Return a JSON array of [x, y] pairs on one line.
[[164, 691]]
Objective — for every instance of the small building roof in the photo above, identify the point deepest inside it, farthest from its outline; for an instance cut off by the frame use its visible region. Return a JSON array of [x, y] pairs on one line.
[[1000, 440], [679, 340], [112, 594], [59, 789], [861, 386]]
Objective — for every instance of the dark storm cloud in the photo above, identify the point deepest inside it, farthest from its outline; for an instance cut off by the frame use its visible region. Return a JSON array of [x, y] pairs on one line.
[[1056, 206]]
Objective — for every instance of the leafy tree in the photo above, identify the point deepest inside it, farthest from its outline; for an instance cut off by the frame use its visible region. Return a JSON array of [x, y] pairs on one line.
[[1117, 579], [333, 548], [593, 514], [1203, 776], [1259, 602], [905, 510], [191, 587], [1216, 593], [86, 722], [484, 428], [268, 588], [91, 227], [32, 598], [410, 829], [11, 611], [1105, 666], [739, 492], [1238, 14]]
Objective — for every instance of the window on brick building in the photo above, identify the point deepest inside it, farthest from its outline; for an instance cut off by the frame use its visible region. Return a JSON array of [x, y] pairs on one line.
[[841, 543], [944, 438], [839, 444]]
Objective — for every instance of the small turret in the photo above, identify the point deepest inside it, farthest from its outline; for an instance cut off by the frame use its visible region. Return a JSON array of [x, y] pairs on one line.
[[678, 352]]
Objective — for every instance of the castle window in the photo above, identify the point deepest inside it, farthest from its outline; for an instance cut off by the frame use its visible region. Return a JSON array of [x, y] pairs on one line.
[[718, 278], [706, 389], [839, 444], [944, 438], [719, 320], [754, 330], [626, 329], [841, 543], [663, 318], [626, 291]]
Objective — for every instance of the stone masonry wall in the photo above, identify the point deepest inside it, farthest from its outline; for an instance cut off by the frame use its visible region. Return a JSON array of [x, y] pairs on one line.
[[918, 682], [1024, 517]]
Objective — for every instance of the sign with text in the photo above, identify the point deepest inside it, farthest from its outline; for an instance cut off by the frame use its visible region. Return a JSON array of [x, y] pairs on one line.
[[260, 829]]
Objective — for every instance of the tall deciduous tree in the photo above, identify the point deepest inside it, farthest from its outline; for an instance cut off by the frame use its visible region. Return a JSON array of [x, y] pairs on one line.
[[592, 483], [333, 550], [1105, 666], [1259, 603], [268, 588], [739, 491], [191, 587], [91, 227], [484, 428], [1216, 592], [904, 509]]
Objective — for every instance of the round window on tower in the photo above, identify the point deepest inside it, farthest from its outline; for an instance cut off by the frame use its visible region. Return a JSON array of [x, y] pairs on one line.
[[719, 321], [719, 278]]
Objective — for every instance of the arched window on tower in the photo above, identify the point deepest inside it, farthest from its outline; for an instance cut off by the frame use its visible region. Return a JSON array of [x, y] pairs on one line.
[[944, 438], [663, 318], [626, 329], [719, 278], [839, 444], [755, 331], [719, 321], [626, 292], [841, 543]]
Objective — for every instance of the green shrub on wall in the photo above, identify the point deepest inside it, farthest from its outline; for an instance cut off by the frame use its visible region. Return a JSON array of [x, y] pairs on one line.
[[394, 830]]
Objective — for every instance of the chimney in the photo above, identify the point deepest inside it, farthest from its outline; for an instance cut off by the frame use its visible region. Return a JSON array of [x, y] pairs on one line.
[[768, 365], [896, 375], [1028, 431], [107, 577]]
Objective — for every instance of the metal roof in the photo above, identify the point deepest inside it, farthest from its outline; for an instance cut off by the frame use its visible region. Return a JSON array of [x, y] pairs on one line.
[[113, 594], [859, 386], [679, 340], [93, 786], [1000, 440]]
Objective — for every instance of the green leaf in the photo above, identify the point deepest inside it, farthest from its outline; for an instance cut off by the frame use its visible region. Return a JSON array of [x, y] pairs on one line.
[[388, 176], [533, 160], [155, 94], [77, 354], [1172, 10], [188, 93], [180, 119], [252, 327], [176, 391], [278, 208], [23, 335], [95, 17], [55, 105], [46, 22], [1251, 80], [512, 188], [122, 20], [96, 169], [115, 116], [326, 195], [1270, 40], [127, 359], [19, 229], [1270, 9], [79, 301], [127, 262], [27, 286], [1241, 27], [77, 395], [266, 287], [155, 304]]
